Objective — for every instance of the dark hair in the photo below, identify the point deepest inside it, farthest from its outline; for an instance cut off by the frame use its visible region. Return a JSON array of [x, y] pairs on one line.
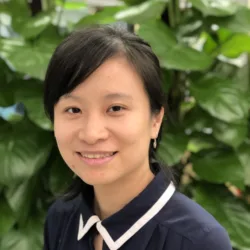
[[82, 52]]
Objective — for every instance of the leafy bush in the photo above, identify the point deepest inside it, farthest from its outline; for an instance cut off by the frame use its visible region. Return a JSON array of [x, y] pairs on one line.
[[203, 48]]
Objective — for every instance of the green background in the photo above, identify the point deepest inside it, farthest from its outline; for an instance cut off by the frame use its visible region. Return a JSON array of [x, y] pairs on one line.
[[203, 47]]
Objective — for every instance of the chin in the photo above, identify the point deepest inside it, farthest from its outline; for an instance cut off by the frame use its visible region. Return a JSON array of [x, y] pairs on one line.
[[98, 179]]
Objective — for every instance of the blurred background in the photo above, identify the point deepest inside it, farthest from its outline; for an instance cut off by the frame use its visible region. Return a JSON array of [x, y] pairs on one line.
[[203, 47]]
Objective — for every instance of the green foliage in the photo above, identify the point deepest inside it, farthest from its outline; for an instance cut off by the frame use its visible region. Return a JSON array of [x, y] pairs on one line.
[[203, 52], [216, 96], [233, 214], [147, 10], [219, 167], [215, 8], [169, 50]]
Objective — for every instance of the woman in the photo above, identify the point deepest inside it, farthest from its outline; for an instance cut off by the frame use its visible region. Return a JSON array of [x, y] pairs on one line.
[[103, 93]]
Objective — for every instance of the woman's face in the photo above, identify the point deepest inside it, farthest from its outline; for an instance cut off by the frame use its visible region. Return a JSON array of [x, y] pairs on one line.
[[104, 126]]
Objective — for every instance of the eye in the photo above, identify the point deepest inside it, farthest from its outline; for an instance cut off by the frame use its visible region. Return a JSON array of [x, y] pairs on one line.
[[115, 108], [73, 110]]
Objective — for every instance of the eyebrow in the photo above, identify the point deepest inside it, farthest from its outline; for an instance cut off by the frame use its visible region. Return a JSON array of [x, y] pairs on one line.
[[118, 95], [70, 96], [108, 96]]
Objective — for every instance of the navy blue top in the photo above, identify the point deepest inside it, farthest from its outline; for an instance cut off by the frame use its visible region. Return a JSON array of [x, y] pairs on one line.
[[159, 218]]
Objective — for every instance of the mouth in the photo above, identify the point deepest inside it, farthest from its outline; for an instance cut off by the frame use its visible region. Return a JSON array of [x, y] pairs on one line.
[[98, 155]]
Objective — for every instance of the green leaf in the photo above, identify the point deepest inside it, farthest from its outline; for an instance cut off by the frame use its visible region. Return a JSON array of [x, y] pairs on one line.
[[17, 54], [215, 7], [169, 51], [241, 76], [219, 167], [24, 149], [145, 11], [30, 93], [192, 123], [33, 26], [224, 34], [166, 80], [105, 16], [20, 197], [7, 218], [6, 74], [72, 5], [6, 97], [235, 46], [200, 141], [18, 240], [172, 147], [190, 23], [27, 238], [133, 2], [189, 29], [49, 37], [153, 31], [243, 153], [60, 176], [228, 133], [231, 212], [17, 8], [221, 98], [239, 23], [210, 45]]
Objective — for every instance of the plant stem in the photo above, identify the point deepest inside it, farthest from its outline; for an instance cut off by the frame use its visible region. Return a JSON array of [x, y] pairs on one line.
[[177, 11], [44, 5], [60, 13], [171, 13]]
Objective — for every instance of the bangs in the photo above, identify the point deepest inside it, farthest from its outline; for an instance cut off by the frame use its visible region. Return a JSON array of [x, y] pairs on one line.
[[74, 60], [81, 53]]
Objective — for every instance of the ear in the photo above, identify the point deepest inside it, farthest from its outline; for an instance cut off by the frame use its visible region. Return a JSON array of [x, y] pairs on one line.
[[156, 123]]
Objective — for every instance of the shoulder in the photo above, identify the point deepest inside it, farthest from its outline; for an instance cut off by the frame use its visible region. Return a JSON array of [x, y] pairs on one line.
[[59, 214], [215, 238], [63, 208], [187, 219]]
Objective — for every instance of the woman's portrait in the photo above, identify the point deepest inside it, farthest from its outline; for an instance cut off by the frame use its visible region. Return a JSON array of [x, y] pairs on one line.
[[103, 93], [124, 125]]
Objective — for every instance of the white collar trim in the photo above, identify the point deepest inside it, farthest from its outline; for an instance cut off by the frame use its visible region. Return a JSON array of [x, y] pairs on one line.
[[83, 229], [114, 245]]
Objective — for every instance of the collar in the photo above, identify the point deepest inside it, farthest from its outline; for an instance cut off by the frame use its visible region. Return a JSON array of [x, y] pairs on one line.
[[121, 226]]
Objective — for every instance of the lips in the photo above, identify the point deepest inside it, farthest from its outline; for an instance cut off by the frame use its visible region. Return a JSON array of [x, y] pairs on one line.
[[98, 155], [96, 158]]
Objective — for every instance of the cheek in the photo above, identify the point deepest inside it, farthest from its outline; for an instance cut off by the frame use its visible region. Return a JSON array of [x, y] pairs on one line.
[[135, 130], [63, 133], [63, 136]]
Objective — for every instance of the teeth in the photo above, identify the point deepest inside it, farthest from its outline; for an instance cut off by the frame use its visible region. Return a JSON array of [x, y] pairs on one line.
[[96, 156]]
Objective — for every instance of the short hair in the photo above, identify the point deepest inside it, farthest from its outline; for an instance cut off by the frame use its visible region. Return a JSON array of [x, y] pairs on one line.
[[83, 51]]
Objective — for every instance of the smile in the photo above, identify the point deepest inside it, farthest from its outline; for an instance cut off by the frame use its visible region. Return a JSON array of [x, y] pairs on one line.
[[97, 156], [96, 159]]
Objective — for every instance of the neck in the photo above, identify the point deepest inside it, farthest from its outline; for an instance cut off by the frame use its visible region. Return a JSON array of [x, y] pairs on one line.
[[111, 198]]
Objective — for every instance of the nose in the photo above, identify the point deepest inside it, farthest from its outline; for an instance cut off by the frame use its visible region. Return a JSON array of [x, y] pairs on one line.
[[93, 129]]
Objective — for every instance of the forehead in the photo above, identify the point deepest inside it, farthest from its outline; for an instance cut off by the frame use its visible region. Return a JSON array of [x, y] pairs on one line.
[[116, 77]]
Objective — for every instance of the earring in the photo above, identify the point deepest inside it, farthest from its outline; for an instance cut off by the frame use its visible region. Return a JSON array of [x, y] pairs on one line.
[[155, 144]]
